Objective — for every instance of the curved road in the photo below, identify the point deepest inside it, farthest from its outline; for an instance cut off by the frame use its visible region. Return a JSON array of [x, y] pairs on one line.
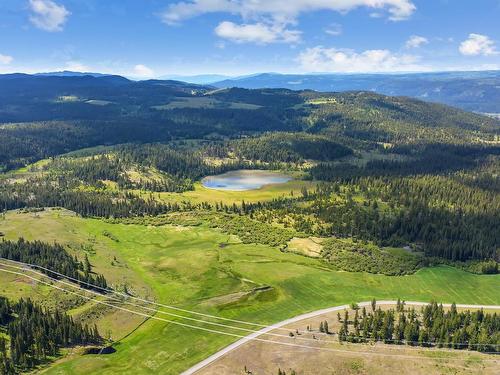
[[312, 314]]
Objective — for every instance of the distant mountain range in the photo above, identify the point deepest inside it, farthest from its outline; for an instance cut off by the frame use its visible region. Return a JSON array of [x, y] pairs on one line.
[[472, 91], [68, 73], [201, 79]]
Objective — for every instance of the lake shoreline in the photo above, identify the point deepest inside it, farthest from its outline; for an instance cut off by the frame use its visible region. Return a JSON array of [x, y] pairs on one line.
[[244, 180]]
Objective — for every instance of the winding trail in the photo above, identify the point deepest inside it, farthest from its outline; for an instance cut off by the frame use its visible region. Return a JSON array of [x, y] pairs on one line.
[[312, 314]]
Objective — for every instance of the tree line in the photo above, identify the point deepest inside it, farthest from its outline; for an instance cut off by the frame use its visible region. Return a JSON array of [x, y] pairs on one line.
[[35, 335], [39, 192], [433, 326], [53, 257], [450, 216], [281, 147]]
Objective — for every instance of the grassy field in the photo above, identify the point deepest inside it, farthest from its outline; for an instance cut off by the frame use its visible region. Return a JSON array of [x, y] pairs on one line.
[[204, 270], [347, 358]]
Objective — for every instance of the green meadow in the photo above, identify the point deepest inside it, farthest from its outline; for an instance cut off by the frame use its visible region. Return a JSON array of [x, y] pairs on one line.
[[266, 193], [202, 269]]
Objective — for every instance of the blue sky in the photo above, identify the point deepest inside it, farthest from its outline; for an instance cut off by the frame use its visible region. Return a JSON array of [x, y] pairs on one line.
[[148, 38]]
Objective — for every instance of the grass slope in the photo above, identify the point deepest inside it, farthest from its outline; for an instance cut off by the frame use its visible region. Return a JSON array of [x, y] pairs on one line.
[[188, 267]]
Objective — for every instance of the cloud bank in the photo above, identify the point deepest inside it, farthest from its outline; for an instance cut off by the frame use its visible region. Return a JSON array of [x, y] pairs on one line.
[[282, 10], [268, 21], [320, 59]]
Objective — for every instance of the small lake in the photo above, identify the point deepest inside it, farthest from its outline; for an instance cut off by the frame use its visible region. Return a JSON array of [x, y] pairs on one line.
[[242, 180]]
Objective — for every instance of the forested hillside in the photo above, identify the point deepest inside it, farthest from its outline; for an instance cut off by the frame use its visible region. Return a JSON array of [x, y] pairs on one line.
[[35, 335], [389, 170], [473, 91], [53, 258], [68, 113]]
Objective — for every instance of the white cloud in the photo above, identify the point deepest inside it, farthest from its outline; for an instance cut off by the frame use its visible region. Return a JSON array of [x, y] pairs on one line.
[[5, 59], [282, 10], [320, 59], [334, 29], [76, 66], [143, 71], [416, 41], [478, 44], [259, 33], [267, 21], [48, 15]]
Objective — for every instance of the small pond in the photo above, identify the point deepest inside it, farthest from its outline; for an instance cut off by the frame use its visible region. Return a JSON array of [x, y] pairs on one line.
[[244, 180]]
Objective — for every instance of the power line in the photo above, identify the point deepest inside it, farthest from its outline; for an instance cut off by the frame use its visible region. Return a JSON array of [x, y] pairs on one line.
[[232, 334], [227, 326], [164, 312], [365, 339], [295, 336], [133, 297]]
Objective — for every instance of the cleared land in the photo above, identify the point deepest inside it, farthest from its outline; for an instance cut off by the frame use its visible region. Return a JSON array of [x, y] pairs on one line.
[[202, 269], [328, 356], [204, 102], [310, 246]]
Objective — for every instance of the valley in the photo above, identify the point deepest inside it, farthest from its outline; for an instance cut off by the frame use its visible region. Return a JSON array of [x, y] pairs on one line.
[[188, 218], [249, 187], [158, 263]]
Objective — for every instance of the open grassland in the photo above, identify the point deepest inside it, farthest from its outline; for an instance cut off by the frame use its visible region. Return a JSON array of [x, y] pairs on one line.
[[203, 269]]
